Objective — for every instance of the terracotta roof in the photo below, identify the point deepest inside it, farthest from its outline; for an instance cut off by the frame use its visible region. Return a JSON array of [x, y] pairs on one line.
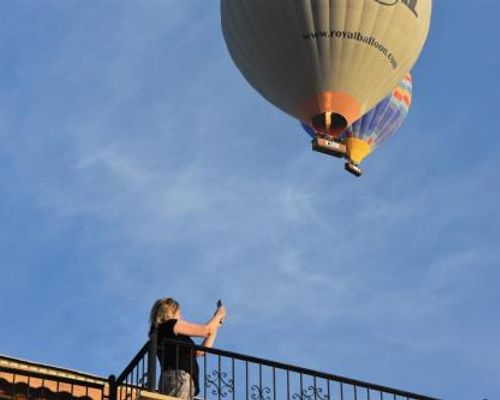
[[31, 366], [28, 380], [21, 379]]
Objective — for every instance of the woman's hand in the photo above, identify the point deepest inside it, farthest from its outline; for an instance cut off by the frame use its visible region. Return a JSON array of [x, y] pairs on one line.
[[215, 323], [220, 314]]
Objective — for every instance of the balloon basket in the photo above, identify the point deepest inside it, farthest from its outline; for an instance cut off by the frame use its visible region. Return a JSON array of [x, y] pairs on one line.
[[330, 147], [353, 169]]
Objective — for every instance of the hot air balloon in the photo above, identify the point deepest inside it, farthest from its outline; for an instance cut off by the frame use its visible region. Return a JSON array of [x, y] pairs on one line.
[[366, 134], [325, 62]]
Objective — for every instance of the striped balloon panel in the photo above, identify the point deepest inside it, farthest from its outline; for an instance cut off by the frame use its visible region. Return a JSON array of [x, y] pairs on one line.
[[385, 118]]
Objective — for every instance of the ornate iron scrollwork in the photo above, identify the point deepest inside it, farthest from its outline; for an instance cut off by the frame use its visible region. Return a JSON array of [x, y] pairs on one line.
[[219, 384], [311, 393], [260, 393]]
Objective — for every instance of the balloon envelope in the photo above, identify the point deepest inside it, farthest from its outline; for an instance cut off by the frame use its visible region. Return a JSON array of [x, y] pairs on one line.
[[325, 62]]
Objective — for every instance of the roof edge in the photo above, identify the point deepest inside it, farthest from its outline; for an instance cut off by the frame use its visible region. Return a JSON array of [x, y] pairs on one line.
[[27, 366]]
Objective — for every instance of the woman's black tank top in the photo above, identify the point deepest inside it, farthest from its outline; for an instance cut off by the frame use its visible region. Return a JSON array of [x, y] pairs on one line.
[[177, 356]]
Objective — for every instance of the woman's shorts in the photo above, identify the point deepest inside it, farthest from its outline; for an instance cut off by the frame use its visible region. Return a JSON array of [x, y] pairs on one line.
[[177, 383]]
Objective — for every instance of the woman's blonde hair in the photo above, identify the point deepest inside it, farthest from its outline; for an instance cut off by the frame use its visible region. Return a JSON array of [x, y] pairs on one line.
[[163, 310]]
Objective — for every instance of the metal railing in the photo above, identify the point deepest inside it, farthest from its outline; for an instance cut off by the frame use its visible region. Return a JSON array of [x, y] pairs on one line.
[[232, 376], [18, 384], [138, 375]]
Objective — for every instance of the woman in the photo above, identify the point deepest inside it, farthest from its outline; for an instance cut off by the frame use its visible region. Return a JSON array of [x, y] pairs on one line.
[[179, 368]]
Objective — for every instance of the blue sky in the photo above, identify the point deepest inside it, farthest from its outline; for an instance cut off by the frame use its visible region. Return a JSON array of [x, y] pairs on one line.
[[136, 162]]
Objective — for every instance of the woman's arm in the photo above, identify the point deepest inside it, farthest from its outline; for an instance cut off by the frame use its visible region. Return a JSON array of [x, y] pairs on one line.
[[189, 329], [210, 339], [208, 342]]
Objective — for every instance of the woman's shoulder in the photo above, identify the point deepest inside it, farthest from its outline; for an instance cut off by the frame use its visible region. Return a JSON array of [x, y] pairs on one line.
[[167, 327]]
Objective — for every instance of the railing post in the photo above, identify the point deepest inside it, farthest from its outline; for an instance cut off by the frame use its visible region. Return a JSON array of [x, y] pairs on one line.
[[112, 387], [152, 351]]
